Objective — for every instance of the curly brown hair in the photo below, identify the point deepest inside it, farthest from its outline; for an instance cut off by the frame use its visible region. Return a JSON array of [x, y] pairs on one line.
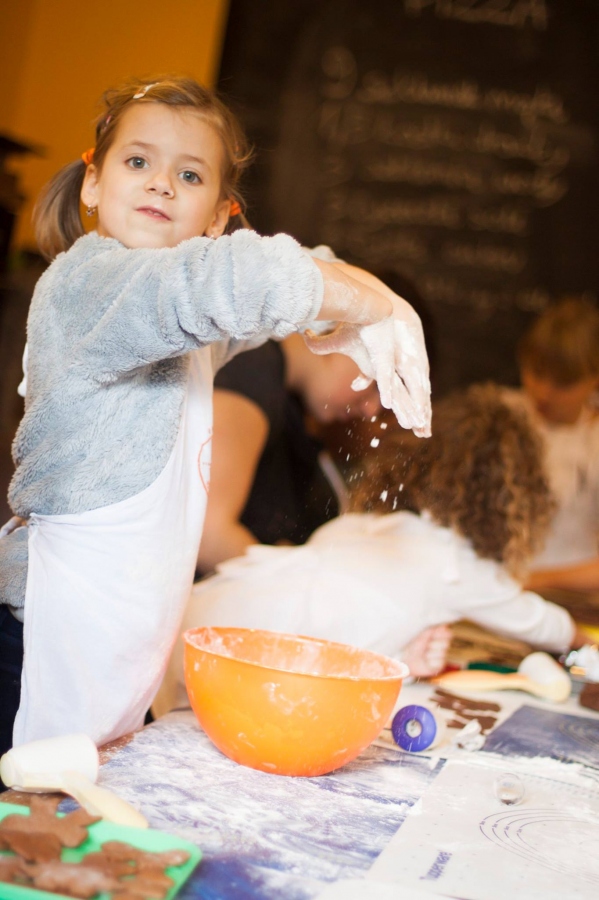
[[481, 473]]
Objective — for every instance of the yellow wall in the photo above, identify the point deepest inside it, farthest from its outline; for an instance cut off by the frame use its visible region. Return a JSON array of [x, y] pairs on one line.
[[15, 23], [58, 56]]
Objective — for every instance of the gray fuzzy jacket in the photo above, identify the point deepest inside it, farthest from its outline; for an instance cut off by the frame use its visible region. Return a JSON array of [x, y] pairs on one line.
[[108, 333]]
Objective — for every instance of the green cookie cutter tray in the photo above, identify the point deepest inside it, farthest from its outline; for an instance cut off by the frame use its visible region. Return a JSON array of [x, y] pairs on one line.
[[98, 834]]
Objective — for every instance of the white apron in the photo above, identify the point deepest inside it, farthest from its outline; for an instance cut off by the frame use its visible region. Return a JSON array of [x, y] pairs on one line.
[[106, 591]]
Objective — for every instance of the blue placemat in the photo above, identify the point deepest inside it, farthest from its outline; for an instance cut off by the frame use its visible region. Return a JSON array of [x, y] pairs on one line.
[[532, 731], [265, 836]]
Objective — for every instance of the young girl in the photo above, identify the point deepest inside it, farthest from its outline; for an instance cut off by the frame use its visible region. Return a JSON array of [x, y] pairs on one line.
[[125, 332], [465, 511]]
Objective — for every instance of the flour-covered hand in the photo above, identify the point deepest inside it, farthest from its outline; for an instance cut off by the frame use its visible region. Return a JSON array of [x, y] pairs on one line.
[[393, 353]]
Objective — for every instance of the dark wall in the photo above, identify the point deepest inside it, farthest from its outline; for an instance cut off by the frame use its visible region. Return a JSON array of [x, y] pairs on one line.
[[452, 141]]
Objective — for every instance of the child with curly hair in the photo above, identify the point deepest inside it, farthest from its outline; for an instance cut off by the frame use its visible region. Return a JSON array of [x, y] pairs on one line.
[[443, 530]]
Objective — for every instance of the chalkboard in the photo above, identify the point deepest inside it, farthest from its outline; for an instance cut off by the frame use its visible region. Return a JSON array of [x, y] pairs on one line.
[[451, 141]]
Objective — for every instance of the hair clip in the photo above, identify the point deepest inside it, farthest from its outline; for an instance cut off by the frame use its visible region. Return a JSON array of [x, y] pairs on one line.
[[144, 90], [88, 156], [103, 125], [235, 209]]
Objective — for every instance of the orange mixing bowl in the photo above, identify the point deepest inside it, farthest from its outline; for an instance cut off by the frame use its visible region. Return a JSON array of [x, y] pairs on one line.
[[288, 704]]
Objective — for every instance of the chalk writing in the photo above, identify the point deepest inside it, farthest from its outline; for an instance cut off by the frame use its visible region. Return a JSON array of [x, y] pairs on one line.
[[359, 206], [351, 124], [379, 248], [447, 291], [409, 158], [438, 210], [483, 256], [505, 218], [510, 13], [542, 186], [339, 66], [378, 87], [423, 172], [449, 145]]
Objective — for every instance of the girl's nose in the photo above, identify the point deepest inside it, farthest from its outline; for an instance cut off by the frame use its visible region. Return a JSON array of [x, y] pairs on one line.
[[160, 183], [544, 391]]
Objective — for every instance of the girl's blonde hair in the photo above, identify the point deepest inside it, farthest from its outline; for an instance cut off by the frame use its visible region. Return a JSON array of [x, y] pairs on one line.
[[57, 213], [481, 473]]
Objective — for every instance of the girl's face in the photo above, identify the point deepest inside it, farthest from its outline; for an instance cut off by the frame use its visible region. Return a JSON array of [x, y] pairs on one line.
[[160, 182], [558, 405], [332, 398]]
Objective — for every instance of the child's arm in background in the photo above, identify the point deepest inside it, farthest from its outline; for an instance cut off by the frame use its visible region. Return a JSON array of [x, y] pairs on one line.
[[383, 334], [486, 595], [583, 576], [527, 617]]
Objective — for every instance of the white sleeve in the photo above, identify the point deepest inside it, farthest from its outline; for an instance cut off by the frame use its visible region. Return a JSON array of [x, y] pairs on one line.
[[22, 388], [482, 591], [529, 618]]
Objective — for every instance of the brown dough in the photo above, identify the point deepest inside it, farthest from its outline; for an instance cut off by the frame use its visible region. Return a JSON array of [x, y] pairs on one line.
[[12, 870], [71, 830], [447, 700], [110, 865], [119, 868], [72, 879], [589, 696], [33, 847], [141, 888], [145, 858]]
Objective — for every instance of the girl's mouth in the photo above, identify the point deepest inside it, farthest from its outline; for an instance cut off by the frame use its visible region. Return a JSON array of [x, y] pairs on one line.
[[154, 213]]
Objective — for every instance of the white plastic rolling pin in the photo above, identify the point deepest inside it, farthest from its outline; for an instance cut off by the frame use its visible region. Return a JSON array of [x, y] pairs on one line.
[[70, 764]]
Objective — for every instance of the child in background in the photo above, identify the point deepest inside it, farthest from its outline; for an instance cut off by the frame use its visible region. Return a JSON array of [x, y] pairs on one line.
[[463, 513], [271, 480], [125, 332], [559, 367]]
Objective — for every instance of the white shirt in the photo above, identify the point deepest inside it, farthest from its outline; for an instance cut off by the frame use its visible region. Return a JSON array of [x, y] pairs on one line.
[[374, 582], [572, 467]]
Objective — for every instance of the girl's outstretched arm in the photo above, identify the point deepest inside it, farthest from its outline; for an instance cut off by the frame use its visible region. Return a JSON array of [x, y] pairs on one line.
[[383, 334], [351, 295], [128, 308]]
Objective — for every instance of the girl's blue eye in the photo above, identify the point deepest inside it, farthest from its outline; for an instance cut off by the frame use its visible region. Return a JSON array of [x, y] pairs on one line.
[[190, 177], [137, 162]]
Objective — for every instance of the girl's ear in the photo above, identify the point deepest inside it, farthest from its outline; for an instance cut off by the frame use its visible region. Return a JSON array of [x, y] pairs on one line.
[[219, 222], [89, 189]]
